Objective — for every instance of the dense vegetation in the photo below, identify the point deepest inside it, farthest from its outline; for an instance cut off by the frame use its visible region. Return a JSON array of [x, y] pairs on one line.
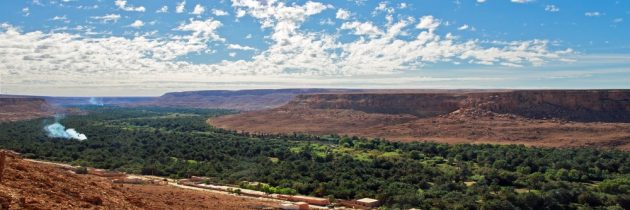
[[178, 143]]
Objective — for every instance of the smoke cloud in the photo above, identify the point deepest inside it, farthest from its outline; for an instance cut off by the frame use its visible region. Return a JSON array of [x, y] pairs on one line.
[[96, 101], [57, 130]]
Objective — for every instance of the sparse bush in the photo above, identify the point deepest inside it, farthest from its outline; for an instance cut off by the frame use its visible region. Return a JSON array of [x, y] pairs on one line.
[[81, 170]]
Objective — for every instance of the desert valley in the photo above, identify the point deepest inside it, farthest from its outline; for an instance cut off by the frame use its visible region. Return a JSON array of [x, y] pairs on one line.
[[324, 124], [315, 104]]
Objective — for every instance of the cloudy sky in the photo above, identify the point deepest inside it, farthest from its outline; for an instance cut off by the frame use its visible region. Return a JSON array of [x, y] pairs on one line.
[[142, 47]]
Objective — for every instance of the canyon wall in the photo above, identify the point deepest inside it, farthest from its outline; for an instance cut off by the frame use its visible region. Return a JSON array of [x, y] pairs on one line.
[[246, 100], [21, 108], [574, 105], [418, 104]]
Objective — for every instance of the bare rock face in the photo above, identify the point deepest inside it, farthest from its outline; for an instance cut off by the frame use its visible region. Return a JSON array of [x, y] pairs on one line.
[[23, 104], [21, 108], [549, 118], [246, 100], [418, 104], [572, 105]]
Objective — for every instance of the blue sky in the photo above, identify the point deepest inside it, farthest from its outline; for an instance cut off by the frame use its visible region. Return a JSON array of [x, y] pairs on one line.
[[141, 47]]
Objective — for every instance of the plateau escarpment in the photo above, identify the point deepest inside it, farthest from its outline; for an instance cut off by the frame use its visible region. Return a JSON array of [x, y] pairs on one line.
[[417, 104], [14, 108], [556, 118], [248, 100], [233, 99], [574, 105]]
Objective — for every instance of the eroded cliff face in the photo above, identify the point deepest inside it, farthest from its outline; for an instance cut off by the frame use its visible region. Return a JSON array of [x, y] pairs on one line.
[[573, 105], [23, 104], [418, 104], [21, 108], [246, 100]]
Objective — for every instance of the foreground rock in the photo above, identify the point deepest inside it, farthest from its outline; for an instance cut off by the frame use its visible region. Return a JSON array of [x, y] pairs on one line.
[[30, 185]]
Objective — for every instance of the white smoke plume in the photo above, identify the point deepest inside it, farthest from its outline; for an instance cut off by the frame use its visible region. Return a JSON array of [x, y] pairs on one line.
[[57, 130], [96, 101]]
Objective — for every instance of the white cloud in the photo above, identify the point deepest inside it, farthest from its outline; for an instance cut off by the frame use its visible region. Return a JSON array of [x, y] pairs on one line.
[[552, 8], [202, 31], [218, 12], [198, 10], [240, 47], [38, 3], [136, 24], [428, 22], [232, 54], [402, 5], [107, 18], [249, 36], [359, 2], [37, 57], [60, 18], [240, 13], [463, 27], [481, 1], [79, 58], [163, 9], [342, 14], [362, 28], [26, 11], [593, 14], [122, 4], [88, 7], [382, 7], [522, 1], [618, 20], [327, 21], [180, 7]]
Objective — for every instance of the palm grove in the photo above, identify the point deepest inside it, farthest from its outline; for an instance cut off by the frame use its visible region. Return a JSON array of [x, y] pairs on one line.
[[178, 143]]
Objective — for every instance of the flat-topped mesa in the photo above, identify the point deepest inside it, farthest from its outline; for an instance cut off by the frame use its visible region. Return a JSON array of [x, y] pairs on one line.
[[236, 99], [23, 104], [22, 108], [418, 104], [574, 105]]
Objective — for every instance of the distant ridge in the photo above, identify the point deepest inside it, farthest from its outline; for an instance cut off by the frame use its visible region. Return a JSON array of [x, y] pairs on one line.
[[555, 118]]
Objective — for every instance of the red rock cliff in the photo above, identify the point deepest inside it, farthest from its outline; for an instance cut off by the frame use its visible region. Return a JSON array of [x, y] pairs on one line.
[[20, 108], [575, 105]]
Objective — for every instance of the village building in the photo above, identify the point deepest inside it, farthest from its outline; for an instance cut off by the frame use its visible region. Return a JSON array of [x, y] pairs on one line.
[[369, 202]]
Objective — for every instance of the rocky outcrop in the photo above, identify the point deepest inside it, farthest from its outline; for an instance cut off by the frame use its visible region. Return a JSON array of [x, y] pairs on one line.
[[235, 99], [549, 118], [17, 104], [21, 108], [573, 105], [418, 104]]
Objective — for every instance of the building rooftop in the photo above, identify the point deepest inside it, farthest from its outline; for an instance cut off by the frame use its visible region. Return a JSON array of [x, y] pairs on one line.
[[367, 200]]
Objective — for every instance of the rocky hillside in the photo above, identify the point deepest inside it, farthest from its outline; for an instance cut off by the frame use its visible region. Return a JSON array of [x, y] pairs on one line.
[[554, 118], [35, 185], [418, 104], [234, 99], [79, 101], [574, 105], [20, 108]]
